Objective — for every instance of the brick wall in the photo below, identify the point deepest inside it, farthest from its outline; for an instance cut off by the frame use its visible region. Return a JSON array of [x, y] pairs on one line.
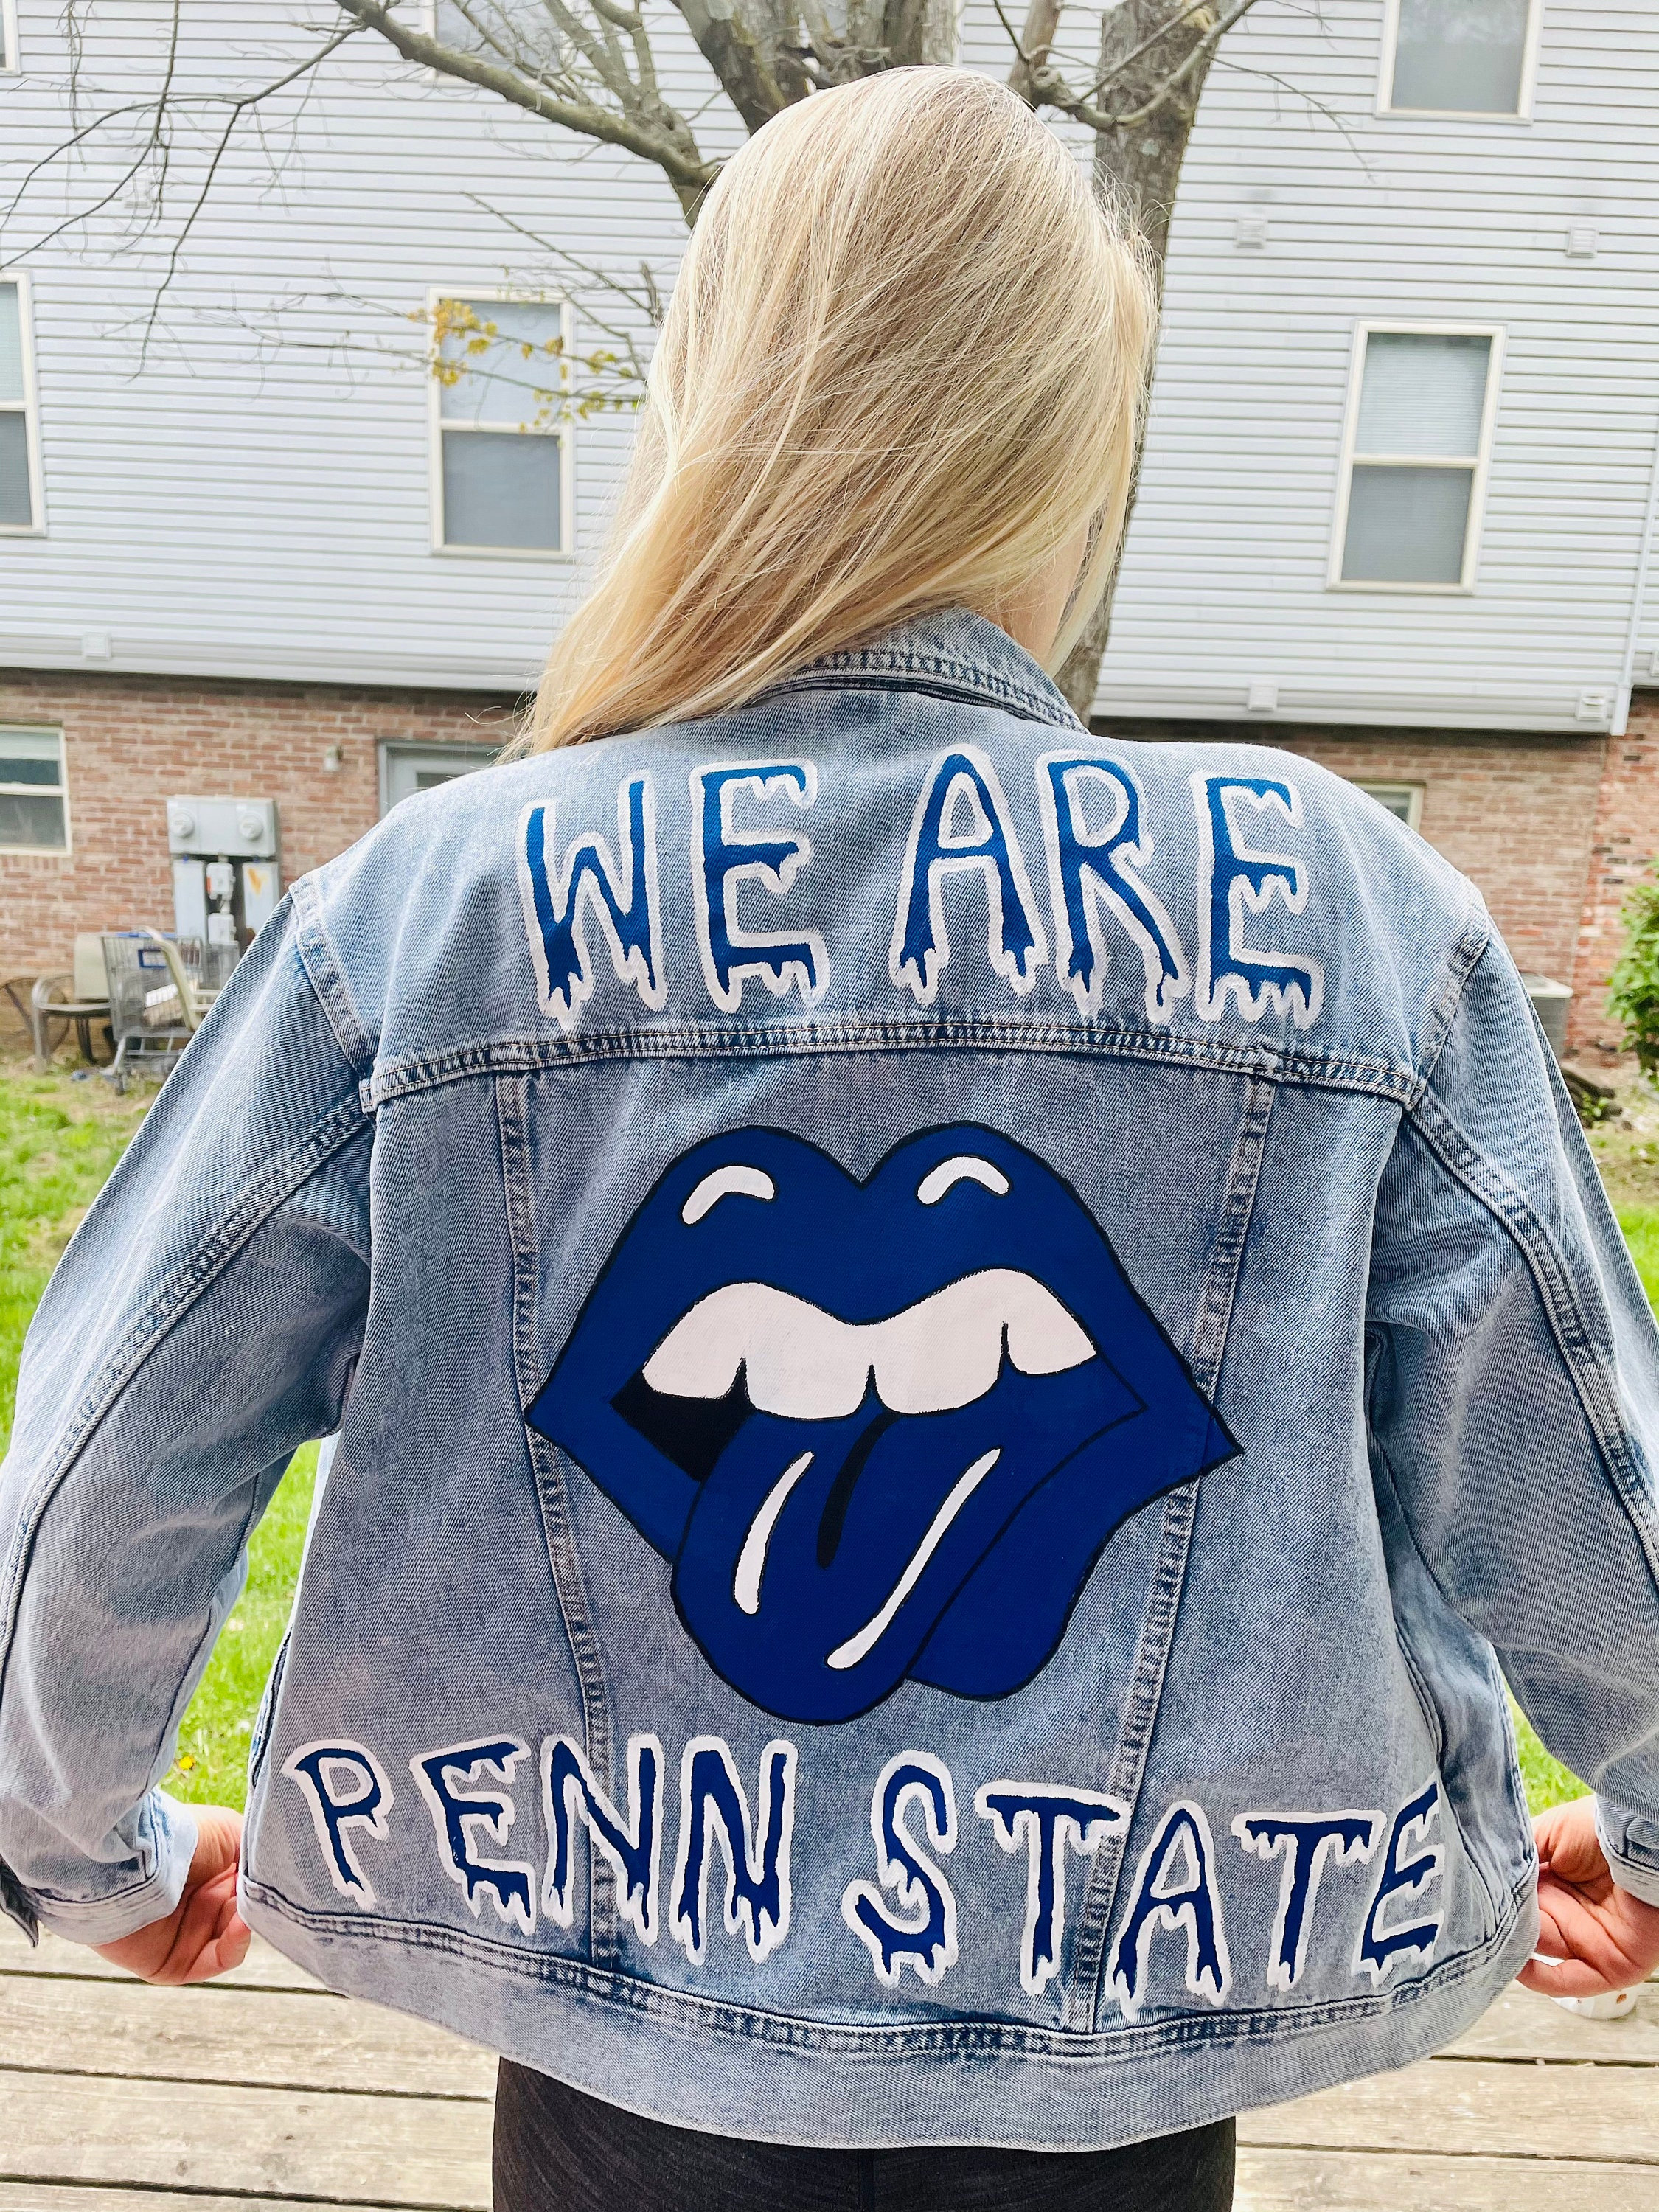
[[1623, 845], [1554, 830], [131, 742], [1516, 813]]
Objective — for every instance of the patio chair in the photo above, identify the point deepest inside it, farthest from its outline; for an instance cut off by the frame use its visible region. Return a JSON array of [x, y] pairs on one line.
[[55, 999]]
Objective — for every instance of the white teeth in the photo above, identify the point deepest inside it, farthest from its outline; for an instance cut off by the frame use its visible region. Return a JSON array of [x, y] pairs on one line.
[[806, 1364]]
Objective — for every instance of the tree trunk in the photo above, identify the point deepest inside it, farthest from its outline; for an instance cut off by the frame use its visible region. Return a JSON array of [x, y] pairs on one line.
[[1138, 168]]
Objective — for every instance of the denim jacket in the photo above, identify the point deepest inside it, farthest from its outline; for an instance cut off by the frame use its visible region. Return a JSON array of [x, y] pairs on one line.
[[965, 1353]]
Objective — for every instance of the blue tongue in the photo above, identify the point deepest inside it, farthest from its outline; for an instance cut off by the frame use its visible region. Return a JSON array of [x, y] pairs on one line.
[[811, 1587]]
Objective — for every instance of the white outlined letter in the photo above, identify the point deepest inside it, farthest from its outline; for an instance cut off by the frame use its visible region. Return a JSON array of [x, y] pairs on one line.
[[963, 781], [721, 860], [459, 1816], [1087, 874], [1188, 1902], [558, 898], [311, 1768], [1235, 879], [757, 1892], [1306, 1841]]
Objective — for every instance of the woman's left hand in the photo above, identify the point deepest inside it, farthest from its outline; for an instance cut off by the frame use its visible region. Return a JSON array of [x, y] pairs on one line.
[[204, 1935], [1592, 1936]]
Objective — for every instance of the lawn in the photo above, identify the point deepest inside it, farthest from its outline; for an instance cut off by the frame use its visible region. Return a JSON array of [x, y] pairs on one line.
[[59, 1140]]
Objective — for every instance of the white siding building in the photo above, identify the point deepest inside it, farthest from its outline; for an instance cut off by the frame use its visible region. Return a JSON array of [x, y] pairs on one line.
[[1396, 505]]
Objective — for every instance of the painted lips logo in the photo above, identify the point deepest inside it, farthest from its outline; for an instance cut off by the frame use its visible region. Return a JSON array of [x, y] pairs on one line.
[[881, 1430]]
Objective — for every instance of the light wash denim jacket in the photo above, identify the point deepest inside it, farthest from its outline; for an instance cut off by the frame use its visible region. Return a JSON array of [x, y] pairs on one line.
[[960, 1350]]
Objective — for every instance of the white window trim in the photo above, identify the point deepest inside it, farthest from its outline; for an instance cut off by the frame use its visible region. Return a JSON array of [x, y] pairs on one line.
[[1334, 580], [1521, 113], [1371, 785], [483, 296], [30, 411], [390, 749], [11, 66], [65, 851]]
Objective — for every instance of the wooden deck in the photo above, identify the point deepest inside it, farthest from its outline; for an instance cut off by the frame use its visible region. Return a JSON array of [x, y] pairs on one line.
[[261, 2091]]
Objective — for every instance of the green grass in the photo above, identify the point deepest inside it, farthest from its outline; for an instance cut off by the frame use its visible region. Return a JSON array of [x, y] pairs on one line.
[[1641, 1226], [59, 1140], [211, 1768]]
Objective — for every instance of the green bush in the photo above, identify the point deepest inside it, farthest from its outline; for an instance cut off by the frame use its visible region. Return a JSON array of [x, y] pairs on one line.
[[1633, 987]]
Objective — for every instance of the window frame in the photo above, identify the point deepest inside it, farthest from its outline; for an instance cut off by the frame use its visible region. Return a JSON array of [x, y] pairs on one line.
[[393, 748], [54, 731], [1479, 467], [1522, 112], [10, 65], [1373, 785], [481, 296], [30, 411]]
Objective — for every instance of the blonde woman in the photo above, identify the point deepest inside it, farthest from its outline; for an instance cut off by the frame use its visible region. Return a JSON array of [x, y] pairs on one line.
[[960, 1347]]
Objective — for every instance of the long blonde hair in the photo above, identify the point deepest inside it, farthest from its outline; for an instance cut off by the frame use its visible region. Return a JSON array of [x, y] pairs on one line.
[[903, 365]]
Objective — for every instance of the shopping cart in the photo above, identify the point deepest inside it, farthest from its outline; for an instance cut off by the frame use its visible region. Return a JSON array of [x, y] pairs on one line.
[[159, 990]]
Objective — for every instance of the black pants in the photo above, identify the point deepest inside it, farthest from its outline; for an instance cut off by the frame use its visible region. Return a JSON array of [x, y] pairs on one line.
[[557, 2150]]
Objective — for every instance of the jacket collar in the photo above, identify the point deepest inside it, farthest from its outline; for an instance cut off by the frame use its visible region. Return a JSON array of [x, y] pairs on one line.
[[952, 651]]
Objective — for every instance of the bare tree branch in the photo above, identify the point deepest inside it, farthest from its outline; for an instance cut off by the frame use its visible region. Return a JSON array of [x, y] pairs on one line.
[[662, 137]]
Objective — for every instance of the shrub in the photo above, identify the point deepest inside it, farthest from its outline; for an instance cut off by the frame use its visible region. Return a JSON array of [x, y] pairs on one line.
[[1633, 987]]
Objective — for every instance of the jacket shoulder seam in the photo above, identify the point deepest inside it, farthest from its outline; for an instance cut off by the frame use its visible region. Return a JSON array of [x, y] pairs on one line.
[[326, 977], [1464, 956]]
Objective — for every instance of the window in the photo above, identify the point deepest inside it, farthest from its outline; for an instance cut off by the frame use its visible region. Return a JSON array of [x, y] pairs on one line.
[[405, 769], [501, 459], [9, 61], [20, 457], [1420, 409], [1403, 800], [34, 803], [1464, 58]]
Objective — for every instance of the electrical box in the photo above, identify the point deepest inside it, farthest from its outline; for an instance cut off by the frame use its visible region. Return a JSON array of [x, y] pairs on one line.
[[227, 872]]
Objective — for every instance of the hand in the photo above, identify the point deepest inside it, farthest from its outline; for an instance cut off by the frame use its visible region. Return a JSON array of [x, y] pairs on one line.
[[204, 1935], [1592, 1936]]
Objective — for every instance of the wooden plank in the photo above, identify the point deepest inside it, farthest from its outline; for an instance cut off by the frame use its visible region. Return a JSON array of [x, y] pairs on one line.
[[39, 2197], [1473, 2108], [341, 2148], [1523, 2025], [281, 2039], [1346, 2181], [263, 1968]]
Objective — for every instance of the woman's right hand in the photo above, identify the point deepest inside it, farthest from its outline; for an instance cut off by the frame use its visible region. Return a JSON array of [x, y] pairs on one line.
[[204, 1935]]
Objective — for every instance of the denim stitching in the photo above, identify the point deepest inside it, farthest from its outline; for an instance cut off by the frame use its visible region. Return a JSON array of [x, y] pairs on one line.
[[327, 979], [956, 687], [547, 1465], [1491, 1187], [963, 2037], [1209, 1342], [401, 1078]]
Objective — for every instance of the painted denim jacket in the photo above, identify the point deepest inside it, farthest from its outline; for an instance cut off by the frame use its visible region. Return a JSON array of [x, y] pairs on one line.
[[960, 1350]]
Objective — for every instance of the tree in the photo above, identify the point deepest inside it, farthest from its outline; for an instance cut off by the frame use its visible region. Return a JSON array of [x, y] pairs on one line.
[[592, 68]]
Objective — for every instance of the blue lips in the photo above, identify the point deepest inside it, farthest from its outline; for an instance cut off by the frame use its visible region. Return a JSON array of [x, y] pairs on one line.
[[823, 1556]]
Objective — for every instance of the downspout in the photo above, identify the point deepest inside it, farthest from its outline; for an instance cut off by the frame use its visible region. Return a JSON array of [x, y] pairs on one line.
[[1627, 672]]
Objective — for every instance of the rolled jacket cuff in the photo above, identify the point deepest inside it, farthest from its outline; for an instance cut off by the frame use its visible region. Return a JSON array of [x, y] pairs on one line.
[[152, 1897], [1631, 1841]]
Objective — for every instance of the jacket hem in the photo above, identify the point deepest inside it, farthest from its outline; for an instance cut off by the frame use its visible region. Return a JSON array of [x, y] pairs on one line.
[[726, 2069]]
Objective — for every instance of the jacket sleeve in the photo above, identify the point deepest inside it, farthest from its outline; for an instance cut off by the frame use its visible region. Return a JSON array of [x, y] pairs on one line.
[[1514, 1401], [203, 1324]]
